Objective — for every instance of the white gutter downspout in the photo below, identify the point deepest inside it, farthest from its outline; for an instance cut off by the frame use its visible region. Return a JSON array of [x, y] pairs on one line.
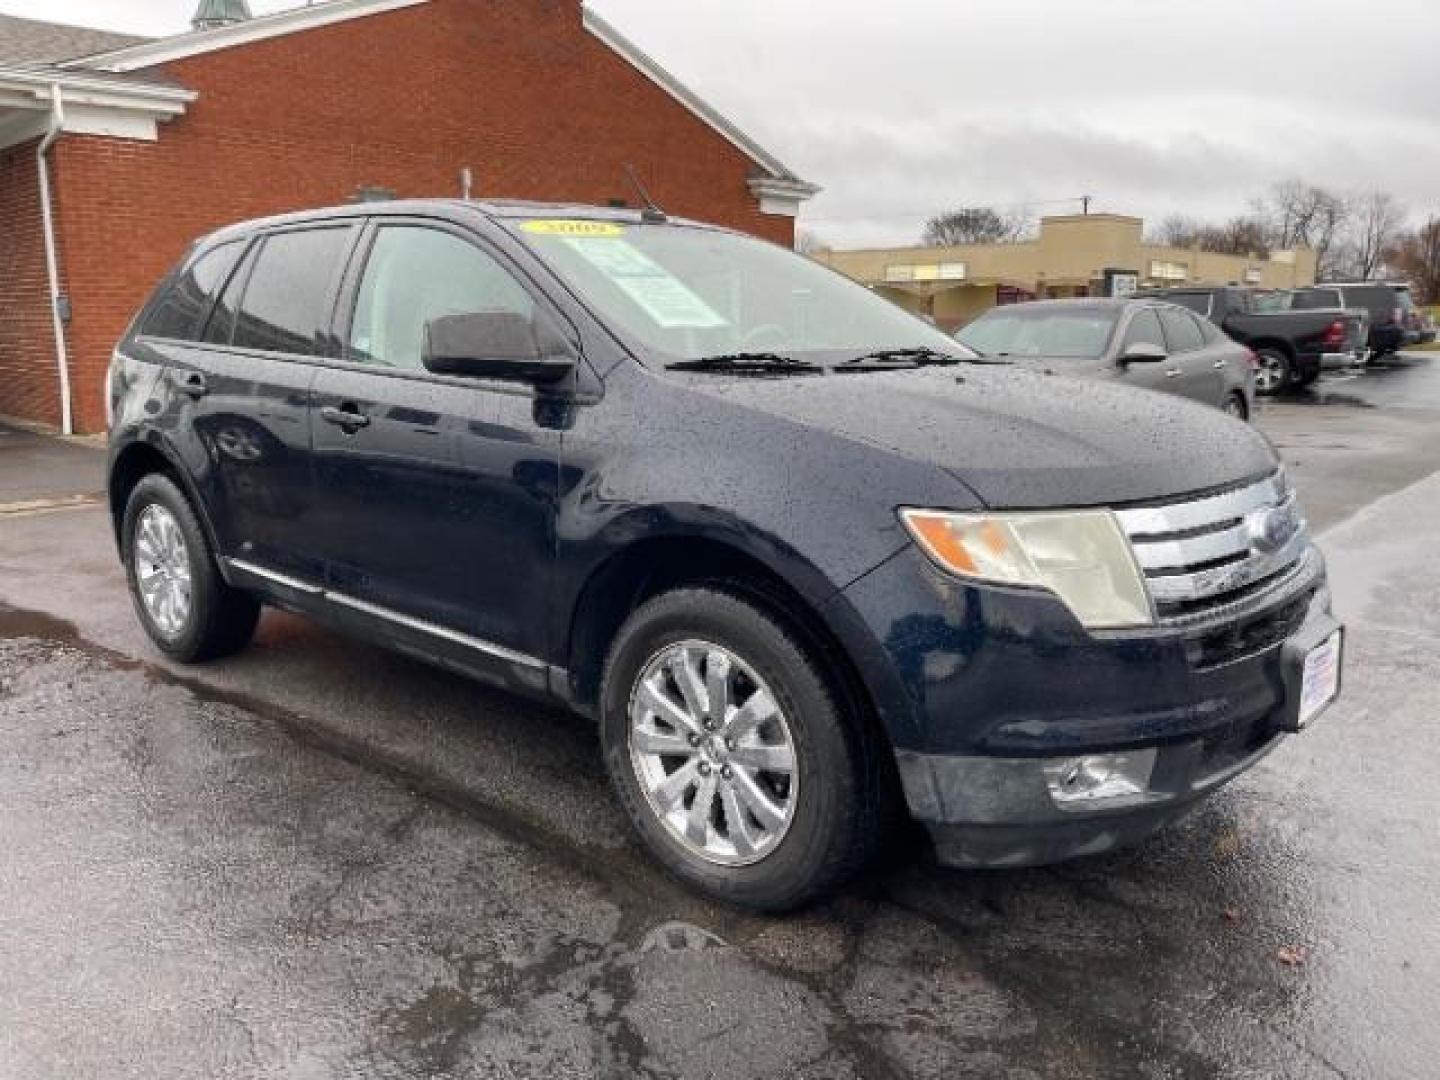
[[62, 361]]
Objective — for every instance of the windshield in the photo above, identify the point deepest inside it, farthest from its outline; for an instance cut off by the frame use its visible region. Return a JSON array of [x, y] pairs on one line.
[[687, 293], [1051, 331]]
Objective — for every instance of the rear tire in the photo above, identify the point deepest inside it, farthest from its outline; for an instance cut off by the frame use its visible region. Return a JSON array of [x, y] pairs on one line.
[[182, 601], [731, 827], [1236, 406], [1274, 373]]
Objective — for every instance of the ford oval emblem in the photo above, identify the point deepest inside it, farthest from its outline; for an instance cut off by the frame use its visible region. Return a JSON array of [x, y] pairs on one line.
[[1270, 530]]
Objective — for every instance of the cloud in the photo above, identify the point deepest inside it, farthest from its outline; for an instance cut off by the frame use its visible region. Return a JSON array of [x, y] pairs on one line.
[[907, 108]]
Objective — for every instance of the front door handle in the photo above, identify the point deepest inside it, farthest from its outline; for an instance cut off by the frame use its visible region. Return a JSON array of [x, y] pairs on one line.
[[192, 384], [1172, 373], [347, 417], [1219, 365]]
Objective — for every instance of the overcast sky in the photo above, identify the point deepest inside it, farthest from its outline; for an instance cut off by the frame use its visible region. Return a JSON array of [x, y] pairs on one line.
[[906, 107]]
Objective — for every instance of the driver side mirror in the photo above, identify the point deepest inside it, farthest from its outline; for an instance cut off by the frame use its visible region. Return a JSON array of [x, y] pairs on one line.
[[1143, 352], [498, 345]]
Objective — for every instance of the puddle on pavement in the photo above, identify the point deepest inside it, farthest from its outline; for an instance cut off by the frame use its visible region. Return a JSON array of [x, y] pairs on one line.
[[1094, 967]]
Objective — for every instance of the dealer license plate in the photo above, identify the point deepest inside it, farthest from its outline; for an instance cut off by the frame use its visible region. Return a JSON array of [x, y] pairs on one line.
[[1320, 680]]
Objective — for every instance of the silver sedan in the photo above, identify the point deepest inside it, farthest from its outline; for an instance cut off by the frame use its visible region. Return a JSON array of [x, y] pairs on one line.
[[1146, 343]]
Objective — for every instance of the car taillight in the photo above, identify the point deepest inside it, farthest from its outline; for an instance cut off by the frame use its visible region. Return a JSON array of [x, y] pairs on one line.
[[1335, 333], [1254, 358]]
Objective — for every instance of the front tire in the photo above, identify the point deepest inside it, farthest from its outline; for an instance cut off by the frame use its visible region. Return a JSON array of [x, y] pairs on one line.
[[735, 763], [181, 599], [1274, 372], [1236, 406]]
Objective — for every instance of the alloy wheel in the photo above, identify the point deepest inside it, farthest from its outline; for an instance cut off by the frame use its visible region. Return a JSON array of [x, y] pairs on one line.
[[162, 570], [713, 753]]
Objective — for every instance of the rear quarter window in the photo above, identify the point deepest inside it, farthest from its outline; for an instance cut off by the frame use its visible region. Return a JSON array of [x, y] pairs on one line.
[[189, 296]]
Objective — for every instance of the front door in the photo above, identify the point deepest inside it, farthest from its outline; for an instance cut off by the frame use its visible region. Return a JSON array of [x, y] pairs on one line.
[[1144, 329], [436, 493]]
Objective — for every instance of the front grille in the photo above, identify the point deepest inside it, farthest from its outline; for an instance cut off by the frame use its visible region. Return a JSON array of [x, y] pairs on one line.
[[1219, 549]]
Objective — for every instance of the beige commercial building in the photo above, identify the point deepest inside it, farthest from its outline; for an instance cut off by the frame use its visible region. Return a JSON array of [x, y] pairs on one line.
[[1073, 255]]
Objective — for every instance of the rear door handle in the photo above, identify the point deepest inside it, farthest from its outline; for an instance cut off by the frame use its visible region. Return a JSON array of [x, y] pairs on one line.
[[1220, 365], [347, 417], [192, 384], [1172, 373]]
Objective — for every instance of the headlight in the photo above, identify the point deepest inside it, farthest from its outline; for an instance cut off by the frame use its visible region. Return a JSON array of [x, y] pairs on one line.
[[1081, 556]]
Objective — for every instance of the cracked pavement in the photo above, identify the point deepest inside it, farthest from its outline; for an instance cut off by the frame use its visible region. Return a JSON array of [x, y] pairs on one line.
[[319, 860]]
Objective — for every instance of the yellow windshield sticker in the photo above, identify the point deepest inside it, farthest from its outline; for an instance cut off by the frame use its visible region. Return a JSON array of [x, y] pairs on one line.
[[573, 228]]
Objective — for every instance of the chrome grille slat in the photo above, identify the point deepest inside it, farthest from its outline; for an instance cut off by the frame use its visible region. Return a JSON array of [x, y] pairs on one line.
[[1178, 588], [1203, 549], [1160, 555], [1229, 506]]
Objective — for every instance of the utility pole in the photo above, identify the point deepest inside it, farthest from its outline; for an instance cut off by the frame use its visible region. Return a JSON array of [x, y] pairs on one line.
[[1085, 204]]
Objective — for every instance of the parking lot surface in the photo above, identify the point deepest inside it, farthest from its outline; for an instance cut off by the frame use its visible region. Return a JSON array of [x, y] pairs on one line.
[[318, 859]]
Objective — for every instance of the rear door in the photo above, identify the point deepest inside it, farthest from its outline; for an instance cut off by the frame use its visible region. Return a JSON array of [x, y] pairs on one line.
[[435, 493], [247, 383], [1193, 370]]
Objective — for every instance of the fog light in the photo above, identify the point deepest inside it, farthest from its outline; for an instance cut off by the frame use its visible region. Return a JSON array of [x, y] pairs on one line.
[[1098, 780]]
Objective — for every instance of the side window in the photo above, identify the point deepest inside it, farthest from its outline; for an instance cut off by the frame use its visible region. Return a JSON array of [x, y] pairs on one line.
[[415, 274], [1182, 334], [179, 313], [286, 307], [221, 327], [1144, 329], [1314, 299]]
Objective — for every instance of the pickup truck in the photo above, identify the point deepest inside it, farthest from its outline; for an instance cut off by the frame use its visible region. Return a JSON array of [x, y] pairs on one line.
[[1292, 347], [1395, 321]]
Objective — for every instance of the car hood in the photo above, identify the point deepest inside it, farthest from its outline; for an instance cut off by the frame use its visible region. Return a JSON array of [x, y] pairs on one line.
[[1020, 440]]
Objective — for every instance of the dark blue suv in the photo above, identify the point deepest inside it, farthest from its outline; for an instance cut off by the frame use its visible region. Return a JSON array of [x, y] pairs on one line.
[[805, 560]]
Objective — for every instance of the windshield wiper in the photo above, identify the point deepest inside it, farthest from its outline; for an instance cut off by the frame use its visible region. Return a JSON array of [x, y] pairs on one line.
[[913, 356], [764, 363]]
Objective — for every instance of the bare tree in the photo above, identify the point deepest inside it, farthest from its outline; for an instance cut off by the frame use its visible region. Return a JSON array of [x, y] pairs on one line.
[[1298, 214], [1416, 256], [1240, 235], [975, 225], [1177, 231], [1379, 217]]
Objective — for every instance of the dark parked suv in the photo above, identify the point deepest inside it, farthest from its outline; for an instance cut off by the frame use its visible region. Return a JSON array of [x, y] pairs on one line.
[[805, 559]]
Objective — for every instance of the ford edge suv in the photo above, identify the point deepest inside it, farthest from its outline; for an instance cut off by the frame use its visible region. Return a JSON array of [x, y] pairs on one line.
[[804, 559]]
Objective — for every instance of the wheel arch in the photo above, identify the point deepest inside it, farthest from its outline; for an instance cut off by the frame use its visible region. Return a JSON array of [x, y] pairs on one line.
[[653, 565], [1278, 344], [144, 457]]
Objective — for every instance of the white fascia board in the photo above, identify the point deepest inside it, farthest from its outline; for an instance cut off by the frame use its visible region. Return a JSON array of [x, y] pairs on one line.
[[262, 28], [779, 197], [647, 66], [92, 105]]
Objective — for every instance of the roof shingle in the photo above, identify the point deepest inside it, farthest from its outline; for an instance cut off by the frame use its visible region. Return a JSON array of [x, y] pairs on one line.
[[33, 43]]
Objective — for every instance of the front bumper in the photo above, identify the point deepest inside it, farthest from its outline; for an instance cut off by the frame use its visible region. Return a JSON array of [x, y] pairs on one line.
[[1002, 685]]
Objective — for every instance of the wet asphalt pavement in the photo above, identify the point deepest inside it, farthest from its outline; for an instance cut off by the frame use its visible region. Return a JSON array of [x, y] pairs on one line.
[[318, 859]]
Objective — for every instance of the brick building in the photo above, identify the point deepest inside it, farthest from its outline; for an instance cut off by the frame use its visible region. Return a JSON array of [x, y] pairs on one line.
[[131, 148]]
